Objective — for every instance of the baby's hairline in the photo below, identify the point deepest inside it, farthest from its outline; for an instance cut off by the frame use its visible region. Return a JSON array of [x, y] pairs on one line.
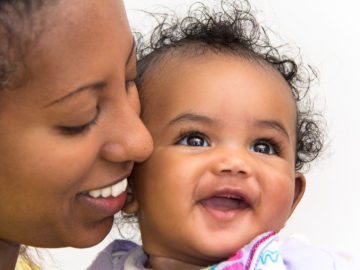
[[167, 58], [189, 52], [198, 50], [233, 29]]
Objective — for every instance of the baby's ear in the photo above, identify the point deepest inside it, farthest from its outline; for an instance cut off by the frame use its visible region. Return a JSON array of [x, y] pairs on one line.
[[131, 204], [300, 185]]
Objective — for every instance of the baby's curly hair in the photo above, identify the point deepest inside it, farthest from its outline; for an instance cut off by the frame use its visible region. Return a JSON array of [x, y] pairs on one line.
[[234, 30]]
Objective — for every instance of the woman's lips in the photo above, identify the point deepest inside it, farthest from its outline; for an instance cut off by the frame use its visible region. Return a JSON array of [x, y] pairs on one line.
[[104, 202], [100, 208], [111, 191]]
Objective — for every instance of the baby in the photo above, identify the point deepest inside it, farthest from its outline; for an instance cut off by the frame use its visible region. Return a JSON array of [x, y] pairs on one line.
[[224, 108]]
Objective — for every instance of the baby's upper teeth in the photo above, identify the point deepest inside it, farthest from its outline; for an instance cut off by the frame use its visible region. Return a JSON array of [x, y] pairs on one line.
[[114, 190]]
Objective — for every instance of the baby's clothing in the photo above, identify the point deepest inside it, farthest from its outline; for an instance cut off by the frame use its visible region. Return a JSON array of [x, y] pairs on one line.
[[266, 253], [263, 253], [120, 255]]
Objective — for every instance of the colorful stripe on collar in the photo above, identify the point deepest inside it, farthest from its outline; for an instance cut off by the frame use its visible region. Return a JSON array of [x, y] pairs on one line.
[[261, 254]]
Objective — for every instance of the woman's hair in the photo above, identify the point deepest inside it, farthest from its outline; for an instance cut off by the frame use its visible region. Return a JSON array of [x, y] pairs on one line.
[[234, 30], [18, 30], [16, 19]]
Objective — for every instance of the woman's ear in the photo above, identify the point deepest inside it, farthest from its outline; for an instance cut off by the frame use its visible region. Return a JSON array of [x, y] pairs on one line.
[[300, 185], [131, 204]]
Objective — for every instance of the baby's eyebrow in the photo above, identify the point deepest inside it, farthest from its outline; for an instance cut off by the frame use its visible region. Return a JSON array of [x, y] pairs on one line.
[[273, 124], [191, 117]]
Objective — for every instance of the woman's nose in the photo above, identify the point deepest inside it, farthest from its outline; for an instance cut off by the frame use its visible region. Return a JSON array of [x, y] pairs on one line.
[[127, 139]]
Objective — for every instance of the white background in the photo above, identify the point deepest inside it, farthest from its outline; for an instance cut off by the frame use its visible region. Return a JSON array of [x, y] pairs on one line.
[[327, 32]]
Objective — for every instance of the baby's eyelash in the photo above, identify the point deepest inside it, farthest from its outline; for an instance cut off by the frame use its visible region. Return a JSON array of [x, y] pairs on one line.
[[189, 133], [275, 144]]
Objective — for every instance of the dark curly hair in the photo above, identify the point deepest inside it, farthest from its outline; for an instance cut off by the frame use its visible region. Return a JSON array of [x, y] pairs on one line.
[[17, 34], [234, 30]]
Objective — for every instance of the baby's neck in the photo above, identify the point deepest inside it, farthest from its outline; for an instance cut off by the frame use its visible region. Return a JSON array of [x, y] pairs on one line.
[[9, 253], [163, 263]]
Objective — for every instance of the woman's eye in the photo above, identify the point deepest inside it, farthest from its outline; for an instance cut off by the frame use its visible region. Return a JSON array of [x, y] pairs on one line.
[[195, 140], [263, 148], [81, 128]]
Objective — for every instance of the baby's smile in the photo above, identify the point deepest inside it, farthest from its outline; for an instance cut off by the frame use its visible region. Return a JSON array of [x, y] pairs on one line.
[[225, 206], [223, 160]]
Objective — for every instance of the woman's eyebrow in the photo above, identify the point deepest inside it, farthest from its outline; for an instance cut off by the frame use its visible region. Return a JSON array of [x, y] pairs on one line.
[[98, 85], [94, 86]]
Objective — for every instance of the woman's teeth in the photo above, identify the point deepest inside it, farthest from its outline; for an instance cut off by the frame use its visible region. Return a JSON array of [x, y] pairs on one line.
[[114, 190]]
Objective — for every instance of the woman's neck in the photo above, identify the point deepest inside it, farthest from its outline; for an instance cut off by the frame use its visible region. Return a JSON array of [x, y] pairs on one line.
[[9, 253]]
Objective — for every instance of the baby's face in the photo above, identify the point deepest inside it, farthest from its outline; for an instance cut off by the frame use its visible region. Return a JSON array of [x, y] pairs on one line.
[[222, 170]]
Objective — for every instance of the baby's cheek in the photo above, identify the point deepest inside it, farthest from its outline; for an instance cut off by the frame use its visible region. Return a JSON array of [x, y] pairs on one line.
[[280, 205]]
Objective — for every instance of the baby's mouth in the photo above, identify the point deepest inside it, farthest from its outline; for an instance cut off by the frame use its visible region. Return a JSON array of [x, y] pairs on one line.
[[225, 203]]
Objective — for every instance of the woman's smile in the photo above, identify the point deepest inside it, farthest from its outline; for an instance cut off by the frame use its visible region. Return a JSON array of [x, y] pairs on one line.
[[113, 190], [71, 134]]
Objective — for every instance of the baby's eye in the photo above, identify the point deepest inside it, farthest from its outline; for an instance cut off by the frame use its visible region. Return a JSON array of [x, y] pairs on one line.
[[194, 139], [264, 147]]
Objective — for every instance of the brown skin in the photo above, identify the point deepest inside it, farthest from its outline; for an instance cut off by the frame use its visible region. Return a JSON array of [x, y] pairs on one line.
[[8, 255], [166, 263], [231, 113], [80, 72]]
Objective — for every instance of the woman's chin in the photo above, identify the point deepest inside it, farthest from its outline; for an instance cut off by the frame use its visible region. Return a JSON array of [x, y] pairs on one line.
[[92, 236], [83, 237]]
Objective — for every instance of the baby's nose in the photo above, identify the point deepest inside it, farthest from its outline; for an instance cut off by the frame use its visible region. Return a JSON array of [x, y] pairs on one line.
[[232, 162]]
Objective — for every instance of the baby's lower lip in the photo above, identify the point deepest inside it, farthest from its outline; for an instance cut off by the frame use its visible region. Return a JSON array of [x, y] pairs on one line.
[[223, 208]]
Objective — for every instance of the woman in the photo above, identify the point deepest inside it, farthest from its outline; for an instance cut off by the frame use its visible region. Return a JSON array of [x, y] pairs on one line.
[[69, 126]]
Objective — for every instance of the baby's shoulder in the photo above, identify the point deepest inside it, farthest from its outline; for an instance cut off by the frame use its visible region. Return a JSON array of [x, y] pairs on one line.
[[119, 255], [300, 254]]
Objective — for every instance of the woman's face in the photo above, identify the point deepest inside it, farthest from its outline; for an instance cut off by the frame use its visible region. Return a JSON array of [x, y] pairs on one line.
[[72, 128]]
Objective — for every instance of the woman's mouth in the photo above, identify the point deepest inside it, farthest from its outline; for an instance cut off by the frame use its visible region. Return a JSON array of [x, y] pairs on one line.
[[104, 202], [111, 191]]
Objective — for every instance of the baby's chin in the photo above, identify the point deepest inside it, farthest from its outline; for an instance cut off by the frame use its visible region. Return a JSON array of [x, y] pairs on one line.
[[213, 253], [196, 256]]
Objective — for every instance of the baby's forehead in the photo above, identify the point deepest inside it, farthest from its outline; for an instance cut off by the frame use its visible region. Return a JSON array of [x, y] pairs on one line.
[[193, 53], [159, 67], [181, 77]]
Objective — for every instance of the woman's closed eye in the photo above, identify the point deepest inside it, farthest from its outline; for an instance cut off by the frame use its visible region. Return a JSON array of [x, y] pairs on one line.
[[79, 129], [265, 146], [194, 139]]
